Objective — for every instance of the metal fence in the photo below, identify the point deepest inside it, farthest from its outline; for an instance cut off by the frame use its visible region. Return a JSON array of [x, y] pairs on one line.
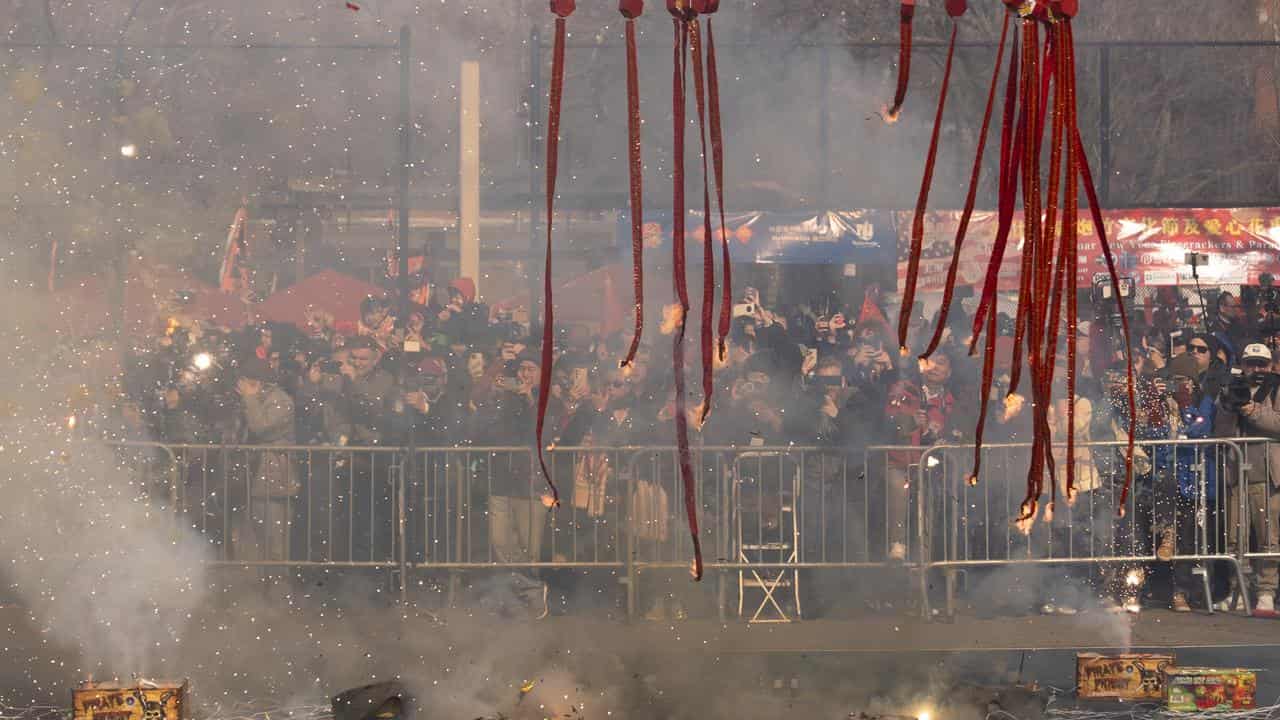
[[777, 522]]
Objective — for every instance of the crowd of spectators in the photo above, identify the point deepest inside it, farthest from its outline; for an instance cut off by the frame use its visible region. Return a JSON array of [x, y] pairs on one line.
[[816, 372]]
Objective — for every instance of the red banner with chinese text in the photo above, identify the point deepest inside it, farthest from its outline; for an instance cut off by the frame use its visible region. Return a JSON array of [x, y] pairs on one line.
[[1150, 245]]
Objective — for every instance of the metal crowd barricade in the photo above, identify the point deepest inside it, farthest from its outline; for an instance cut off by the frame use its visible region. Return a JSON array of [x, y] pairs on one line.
[[776, 523], [1257, 540], [1180, 485], [772, 519]]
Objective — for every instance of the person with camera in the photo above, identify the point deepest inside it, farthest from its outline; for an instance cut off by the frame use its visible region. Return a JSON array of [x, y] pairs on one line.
[[517, 500], [1249, 407]]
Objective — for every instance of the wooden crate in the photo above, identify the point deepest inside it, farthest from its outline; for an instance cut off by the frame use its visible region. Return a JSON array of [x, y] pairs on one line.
[[162, 700], [1126, 677]]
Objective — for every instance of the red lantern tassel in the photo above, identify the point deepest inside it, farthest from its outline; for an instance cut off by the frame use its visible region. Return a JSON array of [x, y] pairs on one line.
[[917, 223], [975, 175], [682, 289], [717, 164], [637, 189], [906, 14], [548, 310]]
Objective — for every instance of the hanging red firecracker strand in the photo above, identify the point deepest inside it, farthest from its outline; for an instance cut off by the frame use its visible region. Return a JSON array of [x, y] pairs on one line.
[[1009, 161], [1070, 233], [681, 13], [1095, 209], [1053, 263], [970, 199], [717, 165], [1050, 250], [562, 10], [632, 9], [922, 201], [906, 14], [1026, 122], [708, 240], [1031, 303]]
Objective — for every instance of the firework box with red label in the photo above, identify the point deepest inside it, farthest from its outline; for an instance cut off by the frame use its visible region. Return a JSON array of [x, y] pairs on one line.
[[144, 700], [1125, 677], [1191, 689]]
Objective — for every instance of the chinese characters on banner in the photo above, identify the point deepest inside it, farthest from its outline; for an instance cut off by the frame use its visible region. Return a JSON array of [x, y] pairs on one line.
[[1149, 245]]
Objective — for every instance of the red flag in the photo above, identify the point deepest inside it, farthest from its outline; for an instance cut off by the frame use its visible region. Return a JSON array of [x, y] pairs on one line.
[[234, 274]]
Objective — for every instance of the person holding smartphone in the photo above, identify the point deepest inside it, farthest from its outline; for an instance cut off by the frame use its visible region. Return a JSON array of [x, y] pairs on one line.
[[517, 502]]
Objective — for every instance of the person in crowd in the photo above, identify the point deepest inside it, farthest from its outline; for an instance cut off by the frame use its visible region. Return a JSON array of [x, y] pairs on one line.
[[1250, 407], [517, 506], [751, 413], [366, 401], [376, 321], [1214, 372], [462, 317], [1233, 328], [260, 525], [1195, 494], [919, 411], [1073, 516], [367, 391]]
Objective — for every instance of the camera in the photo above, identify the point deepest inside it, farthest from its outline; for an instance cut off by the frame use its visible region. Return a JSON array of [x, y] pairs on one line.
[[1237, 393], [1267, 295], [330, 367]]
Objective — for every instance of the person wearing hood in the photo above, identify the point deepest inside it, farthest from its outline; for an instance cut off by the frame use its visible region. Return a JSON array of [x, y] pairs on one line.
[[1213, 372], [463, 318]]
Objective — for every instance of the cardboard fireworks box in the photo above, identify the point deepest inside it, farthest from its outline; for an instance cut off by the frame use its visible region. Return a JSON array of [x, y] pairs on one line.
[[1125, 677], [162, 700], [1193, 689]]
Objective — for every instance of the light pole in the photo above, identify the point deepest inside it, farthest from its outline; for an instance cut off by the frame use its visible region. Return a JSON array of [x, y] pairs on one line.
[[128, 152]]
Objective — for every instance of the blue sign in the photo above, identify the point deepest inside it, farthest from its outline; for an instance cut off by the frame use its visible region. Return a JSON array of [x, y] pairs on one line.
[[846, 237]]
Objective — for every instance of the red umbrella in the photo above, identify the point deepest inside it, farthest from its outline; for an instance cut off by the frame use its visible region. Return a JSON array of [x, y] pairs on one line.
[[328, 291]]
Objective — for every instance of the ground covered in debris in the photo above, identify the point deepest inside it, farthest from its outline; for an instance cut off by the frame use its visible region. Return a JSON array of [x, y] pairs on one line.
[[248, 662]]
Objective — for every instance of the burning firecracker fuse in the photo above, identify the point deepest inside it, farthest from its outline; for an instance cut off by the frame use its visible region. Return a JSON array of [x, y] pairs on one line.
[[144, 700]]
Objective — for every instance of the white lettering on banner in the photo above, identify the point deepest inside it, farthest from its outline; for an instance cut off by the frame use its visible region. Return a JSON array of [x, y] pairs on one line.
[[803, 233]]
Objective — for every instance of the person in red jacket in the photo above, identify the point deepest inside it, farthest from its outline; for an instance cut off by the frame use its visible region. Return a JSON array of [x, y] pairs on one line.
[[919, 410]]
